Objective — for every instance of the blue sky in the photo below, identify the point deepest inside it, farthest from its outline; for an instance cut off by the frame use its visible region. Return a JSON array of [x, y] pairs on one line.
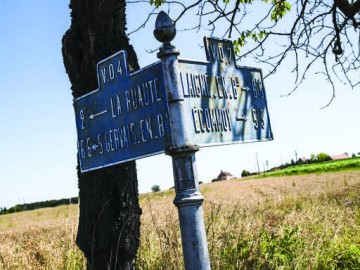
[[38, 135]]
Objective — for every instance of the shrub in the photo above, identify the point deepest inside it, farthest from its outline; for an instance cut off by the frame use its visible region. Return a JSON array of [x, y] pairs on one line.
[[323, 157], [245, 173], [155, 188]]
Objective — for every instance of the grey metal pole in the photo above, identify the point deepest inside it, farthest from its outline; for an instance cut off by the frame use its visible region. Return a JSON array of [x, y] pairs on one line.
[[188, 197], [191, 217]]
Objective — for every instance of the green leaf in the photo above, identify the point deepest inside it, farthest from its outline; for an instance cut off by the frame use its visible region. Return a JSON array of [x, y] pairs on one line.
[[245, 35], [157, 3], [280, 9]]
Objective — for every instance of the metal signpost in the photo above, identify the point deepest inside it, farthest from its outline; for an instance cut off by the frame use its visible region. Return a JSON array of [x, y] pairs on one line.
[[173, 106], [188, 197]]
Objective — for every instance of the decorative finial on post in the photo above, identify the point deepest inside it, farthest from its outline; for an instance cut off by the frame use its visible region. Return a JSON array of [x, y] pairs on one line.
[[165, 32]]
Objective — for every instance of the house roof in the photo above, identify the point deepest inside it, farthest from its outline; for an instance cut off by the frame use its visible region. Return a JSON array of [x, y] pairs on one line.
[[341, 156], [224, 173]]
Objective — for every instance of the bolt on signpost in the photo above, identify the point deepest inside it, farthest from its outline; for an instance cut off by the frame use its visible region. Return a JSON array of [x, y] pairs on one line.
[[174, 106], [188, 197]]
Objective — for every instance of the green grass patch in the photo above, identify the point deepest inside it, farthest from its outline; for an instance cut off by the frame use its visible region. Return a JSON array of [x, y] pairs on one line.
[[328, 166]]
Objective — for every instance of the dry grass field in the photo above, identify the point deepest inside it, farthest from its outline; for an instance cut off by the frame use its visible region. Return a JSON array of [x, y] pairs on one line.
[[40, 239], [298, 222]]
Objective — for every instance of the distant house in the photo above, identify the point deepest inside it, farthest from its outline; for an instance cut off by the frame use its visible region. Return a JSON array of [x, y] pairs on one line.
[[224, 176], [304, 160], [341, 156]]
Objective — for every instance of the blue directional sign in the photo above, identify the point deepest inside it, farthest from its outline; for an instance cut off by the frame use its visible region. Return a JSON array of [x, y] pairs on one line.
[[125, 119], [224, 103], [128, 116]]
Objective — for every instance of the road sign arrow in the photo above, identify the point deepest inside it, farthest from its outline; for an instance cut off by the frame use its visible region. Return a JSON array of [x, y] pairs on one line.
[[95, 146], [93, 115], [242, 118]]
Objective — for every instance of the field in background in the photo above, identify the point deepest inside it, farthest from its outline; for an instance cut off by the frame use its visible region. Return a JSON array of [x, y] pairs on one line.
[[297, 222], [321, 167], [40, 239]]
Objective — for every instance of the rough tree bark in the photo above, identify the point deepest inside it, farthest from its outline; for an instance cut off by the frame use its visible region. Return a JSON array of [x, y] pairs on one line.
[[109, 222]]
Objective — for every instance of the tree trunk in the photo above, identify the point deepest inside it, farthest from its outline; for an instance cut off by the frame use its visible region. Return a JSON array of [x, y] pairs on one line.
[[109, 223]]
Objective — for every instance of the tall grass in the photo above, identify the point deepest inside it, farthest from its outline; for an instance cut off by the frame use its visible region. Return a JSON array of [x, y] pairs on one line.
[[302, 222], [298, 222], [40, 239]]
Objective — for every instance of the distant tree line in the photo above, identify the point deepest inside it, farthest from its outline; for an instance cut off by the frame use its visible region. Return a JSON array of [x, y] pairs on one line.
[[37, 205]]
